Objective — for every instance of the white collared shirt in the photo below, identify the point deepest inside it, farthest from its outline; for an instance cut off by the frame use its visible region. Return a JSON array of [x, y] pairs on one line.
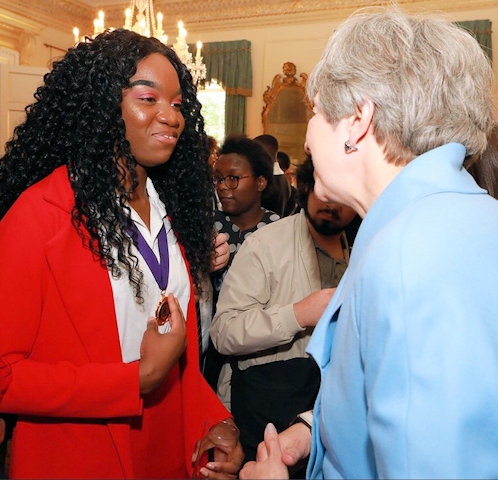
[[131, 316], [277, 170]]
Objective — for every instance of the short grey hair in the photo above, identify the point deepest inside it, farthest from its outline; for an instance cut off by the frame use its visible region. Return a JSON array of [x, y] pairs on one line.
[[430, 81]]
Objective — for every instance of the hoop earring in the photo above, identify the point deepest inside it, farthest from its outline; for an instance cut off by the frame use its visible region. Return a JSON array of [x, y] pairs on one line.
[[348, 148]]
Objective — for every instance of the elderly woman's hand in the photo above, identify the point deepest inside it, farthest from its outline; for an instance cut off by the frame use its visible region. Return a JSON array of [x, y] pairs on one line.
[[269, 463], [221, 252]]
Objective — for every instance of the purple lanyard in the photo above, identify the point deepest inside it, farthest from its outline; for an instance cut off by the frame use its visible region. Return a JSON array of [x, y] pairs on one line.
[[160, 269]]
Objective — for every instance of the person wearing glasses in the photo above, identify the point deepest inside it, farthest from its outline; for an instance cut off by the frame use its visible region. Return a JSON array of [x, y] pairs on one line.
[[242, 173]]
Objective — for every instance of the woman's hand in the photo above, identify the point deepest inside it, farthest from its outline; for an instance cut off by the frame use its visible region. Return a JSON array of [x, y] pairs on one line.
[[279, 451], [295, 443], [228, 454], [160, 352], [269, 463], [221, 252]]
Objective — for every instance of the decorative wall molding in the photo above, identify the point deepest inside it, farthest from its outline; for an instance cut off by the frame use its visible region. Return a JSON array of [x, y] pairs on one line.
[[9, 56], [209, 15]]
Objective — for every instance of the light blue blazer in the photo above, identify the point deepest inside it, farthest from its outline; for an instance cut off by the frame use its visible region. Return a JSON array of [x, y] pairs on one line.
[[408, 346]]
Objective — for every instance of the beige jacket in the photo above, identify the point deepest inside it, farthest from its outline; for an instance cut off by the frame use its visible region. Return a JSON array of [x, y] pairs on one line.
[[275, 267]]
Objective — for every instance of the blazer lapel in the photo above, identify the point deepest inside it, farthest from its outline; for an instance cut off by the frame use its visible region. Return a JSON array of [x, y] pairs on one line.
[[320, 345], [83, 283], [86, 293]]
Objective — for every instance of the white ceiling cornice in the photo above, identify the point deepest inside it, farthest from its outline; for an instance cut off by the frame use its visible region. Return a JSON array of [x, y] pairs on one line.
[[212, 15], [37, 14], [208, 15]]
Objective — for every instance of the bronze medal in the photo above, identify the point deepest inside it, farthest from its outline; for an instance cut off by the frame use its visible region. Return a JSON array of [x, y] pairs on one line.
[[162, 311], [160, 269]]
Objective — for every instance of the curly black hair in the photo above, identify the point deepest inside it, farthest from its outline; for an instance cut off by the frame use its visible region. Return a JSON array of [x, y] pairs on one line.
[[76, 121], [254, 152]]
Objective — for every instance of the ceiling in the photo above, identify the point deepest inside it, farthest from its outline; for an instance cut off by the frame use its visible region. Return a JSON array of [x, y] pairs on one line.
[[18, 16]]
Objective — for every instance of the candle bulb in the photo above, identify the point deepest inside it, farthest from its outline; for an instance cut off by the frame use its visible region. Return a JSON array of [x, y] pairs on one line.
[[98, 23], [198, 53], [159, 30], [127, 19], [182, 33], [101, 21], [76, 33]]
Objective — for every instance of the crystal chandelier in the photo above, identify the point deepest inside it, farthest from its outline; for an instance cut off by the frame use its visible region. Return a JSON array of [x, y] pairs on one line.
[[145, 23]]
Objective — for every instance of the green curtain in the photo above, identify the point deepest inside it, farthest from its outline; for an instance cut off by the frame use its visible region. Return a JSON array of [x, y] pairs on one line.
[[481, 29], [230, 63]]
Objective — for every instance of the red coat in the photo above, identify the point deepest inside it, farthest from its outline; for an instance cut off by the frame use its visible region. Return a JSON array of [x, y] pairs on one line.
[[80, 411]]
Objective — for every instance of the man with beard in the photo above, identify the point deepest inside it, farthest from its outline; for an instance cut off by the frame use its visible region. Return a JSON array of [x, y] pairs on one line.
[[276, 289]]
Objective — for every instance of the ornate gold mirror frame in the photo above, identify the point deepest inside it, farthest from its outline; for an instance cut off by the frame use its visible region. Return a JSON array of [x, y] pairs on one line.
[[287, 110]]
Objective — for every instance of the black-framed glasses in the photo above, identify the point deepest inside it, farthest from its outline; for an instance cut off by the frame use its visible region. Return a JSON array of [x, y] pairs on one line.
[[230, 181]]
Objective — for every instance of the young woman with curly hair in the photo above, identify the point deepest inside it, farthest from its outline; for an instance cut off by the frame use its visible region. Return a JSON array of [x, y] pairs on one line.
[[105, 213]]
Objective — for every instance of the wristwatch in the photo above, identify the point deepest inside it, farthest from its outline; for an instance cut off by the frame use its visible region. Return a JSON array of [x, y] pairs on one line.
[[304, 417]]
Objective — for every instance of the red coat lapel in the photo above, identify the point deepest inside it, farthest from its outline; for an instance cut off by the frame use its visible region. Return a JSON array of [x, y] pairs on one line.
[[79, 276]]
